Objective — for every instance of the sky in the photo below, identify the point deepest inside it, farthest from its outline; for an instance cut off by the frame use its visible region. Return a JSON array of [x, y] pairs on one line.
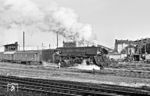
[[114, 19], [102, 21]]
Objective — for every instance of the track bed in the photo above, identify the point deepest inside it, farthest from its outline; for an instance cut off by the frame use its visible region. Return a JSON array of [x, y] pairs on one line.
[[71, 75]]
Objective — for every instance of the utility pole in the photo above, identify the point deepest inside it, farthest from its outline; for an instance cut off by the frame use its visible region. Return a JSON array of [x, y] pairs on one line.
[[23, 41], [57, 39], [49, 46], [37, 47], [42, 45]]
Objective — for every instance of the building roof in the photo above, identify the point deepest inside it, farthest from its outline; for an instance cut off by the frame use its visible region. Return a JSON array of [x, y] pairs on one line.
[[16, 43]]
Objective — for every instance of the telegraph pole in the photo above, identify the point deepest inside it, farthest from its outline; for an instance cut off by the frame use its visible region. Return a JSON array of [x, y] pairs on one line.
[[49, 46], [23, 41], [42, 45], [57, 39]]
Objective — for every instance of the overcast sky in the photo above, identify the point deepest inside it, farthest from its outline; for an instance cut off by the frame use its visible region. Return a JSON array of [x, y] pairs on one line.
[[109, 19]]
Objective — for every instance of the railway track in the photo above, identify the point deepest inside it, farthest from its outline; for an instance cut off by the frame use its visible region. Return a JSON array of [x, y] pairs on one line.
[[136, 66], [68, 88], [123, 72]]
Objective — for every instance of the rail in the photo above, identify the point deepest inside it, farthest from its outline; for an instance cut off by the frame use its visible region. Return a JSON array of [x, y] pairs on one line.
[[68, 88]]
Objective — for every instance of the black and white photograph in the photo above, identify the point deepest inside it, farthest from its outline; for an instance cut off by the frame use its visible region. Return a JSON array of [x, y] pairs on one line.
[[74, 47]]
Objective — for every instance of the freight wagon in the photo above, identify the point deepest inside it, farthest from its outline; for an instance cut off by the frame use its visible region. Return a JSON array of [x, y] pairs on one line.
[[1, 56], [28, 57], [7, 56]]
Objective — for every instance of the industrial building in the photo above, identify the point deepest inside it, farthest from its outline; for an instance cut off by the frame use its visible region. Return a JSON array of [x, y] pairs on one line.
[[135, 50]]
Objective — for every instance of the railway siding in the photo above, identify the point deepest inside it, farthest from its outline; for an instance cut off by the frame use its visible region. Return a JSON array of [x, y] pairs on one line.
[[130, 73], [71, 88], [101, 76]]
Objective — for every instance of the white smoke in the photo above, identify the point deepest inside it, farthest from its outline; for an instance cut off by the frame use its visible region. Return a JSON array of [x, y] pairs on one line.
[[25, 14], [84, 66], [20, 12]]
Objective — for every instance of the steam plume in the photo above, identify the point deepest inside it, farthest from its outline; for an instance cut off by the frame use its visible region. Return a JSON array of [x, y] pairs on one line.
[[26, 13]]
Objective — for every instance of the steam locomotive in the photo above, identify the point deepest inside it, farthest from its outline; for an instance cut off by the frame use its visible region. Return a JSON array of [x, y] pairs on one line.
[[95, 55], [67, 56]]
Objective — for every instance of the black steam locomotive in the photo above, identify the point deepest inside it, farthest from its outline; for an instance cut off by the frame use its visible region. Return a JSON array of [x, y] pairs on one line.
[[72, 55]]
